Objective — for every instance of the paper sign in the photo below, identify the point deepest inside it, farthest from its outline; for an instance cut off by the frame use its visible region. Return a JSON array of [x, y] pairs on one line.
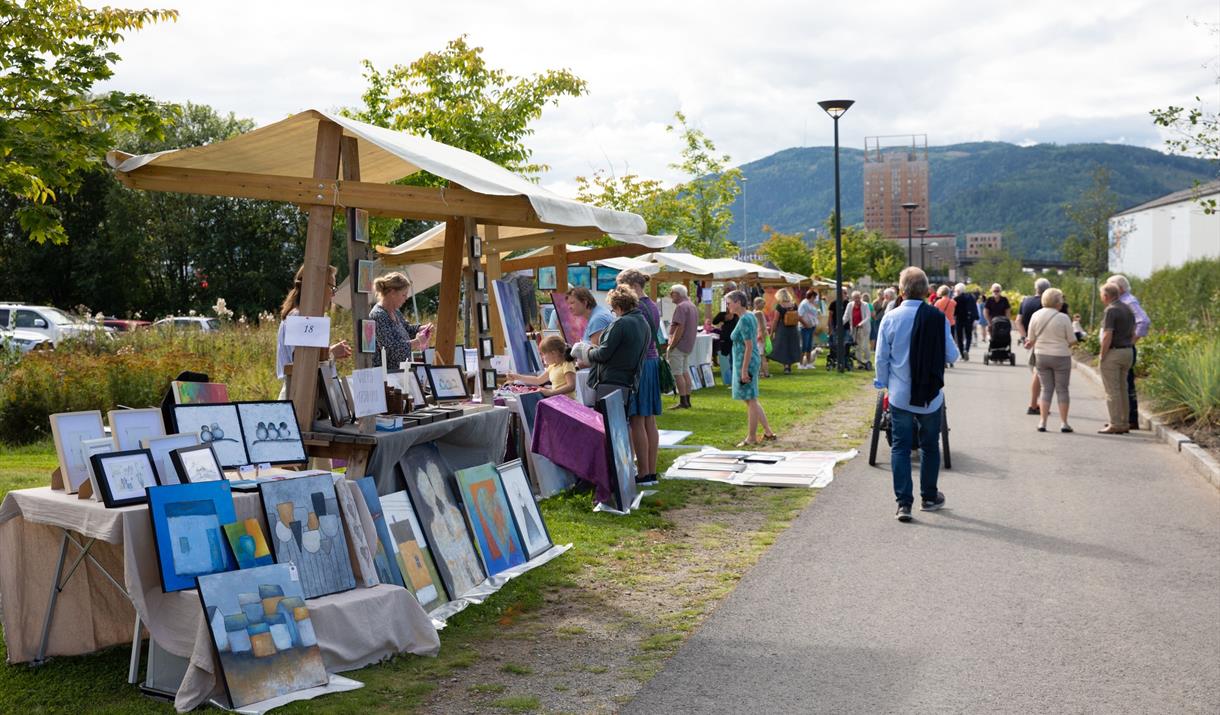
[[246, 471], [501, 364], [368, 392], [307, 331], [705, 295]]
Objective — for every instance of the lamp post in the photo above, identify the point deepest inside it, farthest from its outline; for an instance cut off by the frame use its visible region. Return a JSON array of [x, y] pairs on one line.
[[837, 108], [910, 207], [933, 245], [922, 231], [745, 218]]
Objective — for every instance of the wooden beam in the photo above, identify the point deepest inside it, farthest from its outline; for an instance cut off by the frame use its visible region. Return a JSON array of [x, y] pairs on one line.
[[316, 275], [356, 252], [559, 257], [494, 272], [451, 289]]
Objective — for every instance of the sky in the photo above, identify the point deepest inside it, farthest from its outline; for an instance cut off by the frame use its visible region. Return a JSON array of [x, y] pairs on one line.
[[748, 74]]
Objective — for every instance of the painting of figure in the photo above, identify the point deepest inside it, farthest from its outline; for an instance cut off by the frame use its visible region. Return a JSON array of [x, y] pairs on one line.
[[427, 475], [525, 509], [414, 557], [306, 530], [573, 326], [188, 521], [618, 443], [490, 518]]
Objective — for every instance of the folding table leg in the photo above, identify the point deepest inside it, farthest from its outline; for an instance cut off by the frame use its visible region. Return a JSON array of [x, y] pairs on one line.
[[55, 589], [133, 669]]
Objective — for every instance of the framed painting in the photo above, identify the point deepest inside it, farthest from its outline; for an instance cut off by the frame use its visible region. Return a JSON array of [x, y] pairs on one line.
[[336, 400], [489, 378], [572, 325], [90, 447], [130, 427], [270, 432], [515, 333], [219, 426], [530, 526], [197, 463], [360, 226], [480, 281], [368, 336], [580, 277], [69, 429], [447, 383], [427, 476], [264, 637], [385, 557], [123, 477], [188, 528], [486, 348], [249, 544], [618, 447], [546, 278], [696, 377], [484, 318], [705, 370], [550, 322], [199, 393], [306, 530], [364, 276], [490, 518], [476, 246], [415, 560], [160, 449], [607, 278]]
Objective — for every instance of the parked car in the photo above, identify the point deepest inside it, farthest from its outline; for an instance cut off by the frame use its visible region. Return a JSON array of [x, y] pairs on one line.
[[52, 323], [23, 341], [194, 322], [125, 326]]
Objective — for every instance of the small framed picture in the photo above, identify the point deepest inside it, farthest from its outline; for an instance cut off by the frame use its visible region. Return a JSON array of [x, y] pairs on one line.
[[368, 336], [546, 278], [197, 464], [484, 318], [122, 477], [489, 378], [480, 281], [160, 449], [360, 226], [364, 276], [476, 246], [69, 429], [90, 447], [129, 427], [447, 383], [486, 349]]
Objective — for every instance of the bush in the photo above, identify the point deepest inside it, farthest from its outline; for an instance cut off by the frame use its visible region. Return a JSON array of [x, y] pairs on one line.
[[1185, 387], [1182, 299]]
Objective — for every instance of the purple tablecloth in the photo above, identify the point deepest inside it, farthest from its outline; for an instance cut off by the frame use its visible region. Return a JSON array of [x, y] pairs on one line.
[[574, 437]]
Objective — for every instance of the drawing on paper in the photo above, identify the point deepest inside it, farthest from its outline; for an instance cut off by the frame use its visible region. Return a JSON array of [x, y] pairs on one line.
[[303, 518], [197, 463], [69, 429], [123, 476], [130, 427]]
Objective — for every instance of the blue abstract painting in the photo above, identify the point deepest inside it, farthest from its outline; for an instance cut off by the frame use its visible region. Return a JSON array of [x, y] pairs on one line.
[[580, 277], [491, 519], [508, 304], [188, 527], [607, 278], [384, 555]]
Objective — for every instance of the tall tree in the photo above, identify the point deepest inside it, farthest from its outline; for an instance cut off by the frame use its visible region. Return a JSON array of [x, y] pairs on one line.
[[52, 129], [865, 253], [659, 206], [1090, 244], [787, 251], [703, 201]]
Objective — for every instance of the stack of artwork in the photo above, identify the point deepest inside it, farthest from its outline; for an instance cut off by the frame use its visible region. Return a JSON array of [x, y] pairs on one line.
[[764, 469], [701, 376], [490, 519], [427, 476]]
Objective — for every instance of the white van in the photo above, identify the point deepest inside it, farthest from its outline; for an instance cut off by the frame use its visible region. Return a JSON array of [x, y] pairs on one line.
[[52, 323]]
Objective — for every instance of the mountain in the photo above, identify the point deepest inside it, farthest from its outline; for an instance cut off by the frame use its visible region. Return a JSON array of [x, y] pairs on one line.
[[976, 187]]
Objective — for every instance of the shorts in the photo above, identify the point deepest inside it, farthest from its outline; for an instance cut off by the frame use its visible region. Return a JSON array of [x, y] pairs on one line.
[[679, 362]]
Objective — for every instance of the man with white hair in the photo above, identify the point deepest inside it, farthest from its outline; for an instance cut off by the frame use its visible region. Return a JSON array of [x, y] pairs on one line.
[[1025, 313], [683, 330], [965, 315], [1142, 323]]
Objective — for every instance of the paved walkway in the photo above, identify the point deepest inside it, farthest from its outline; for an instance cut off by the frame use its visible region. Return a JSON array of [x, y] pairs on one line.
[[1068, 573]]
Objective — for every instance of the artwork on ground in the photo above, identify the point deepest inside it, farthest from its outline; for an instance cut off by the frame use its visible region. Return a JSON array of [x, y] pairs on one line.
[[709, 380], [270, 432], [529, 410], [491, 520], [217, 425], [188, 521], [580, 277], [303, 518], [249, 544], [618, 443], [525, 509], [368, 336], [69, 429], [546, 278], [607, 278], [428, 477], [384, 556], [123, 476], [364, 276], [130, 427], [199, 393], [161, 447], [512, 321], [414, 557], [573, 326], [263, 634]]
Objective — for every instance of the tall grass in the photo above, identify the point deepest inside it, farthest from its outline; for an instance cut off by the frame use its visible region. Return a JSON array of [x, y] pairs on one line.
[[1186, 386]]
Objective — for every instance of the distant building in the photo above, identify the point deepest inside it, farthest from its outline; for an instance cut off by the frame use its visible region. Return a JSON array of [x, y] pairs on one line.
[[1165, 232], [895, 175], [939, 252], [979, 244]]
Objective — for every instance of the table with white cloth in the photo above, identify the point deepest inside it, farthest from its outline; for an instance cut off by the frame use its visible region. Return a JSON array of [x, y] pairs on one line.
[[37, 526]]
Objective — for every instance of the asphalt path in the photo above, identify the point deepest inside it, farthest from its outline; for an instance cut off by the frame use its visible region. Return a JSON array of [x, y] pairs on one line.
[[1068, 573]]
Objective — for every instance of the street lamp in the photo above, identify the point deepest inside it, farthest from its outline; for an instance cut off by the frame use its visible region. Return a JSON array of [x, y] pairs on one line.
[[910, 207], [933, 245], [745, 217], [837, 108], [922, 231]]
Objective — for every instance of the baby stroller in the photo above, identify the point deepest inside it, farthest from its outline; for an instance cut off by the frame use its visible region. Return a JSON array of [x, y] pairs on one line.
[[850, 361], [999, 348]]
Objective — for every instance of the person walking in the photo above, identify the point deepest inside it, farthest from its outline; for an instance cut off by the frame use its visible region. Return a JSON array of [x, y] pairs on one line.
[[1051, 339], [996, 305], [947, 305], [645, 403], [913, 346], [856, 319], [683, 331], [1117, 356], [785, 338], [1031, 304], [747, 363], [1142, 323], [966, 315], [807, 311]]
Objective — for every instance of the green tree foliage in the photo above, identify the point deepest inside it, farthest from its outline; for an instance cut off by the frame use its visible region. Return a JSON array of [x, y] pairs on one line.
[[1196, 130], [455, 98], [865, 253], [704, 201], [649, 198], [787, 251], [53, 131], [1091, 242], [999, 266]]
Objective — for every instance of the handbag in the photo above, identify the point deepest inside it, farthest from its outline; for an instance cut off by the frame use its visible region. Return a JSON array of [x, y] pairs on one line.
[[1033, 356], [666, 377]]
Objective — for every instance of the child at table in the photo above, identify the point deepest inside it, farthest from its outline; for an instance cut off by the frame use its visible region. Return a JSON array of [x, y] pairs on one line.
[[560, 369]]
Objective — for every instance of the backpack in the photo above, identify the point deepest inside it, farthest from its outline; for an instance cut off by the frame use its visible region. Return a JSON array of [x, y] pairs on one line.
[[791, 318]]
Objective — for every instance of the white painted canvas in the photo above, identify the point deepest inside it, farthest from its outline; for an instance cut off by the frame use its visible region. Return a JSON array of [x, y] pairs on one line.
[[219, 426], [270, 433], [69, 429], [524, 507], [131, 427], [160, 447]]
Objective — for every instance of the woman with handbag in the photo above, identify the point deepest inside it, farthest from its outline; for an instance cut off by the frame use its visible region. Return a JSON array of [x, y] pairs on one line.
[[1051, 339]]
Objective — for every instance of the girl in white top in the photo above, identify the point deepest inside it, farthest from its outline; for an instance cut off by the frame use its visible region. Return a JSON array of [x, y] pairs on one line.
[[1051, 338]]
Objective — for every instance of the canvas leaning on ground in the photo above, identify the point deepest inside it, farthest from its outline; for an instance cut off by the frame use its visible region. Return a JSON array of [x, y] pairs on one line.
[[490, 518], [534, 534], [618, 444], [411, 551], [428, 476]]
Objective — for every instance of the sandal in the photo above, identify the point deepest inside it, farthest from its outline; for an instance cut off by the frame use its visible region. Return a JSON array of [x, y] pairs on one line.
[[770, 437], [1066, 428], [1042, 428], [747, 443]]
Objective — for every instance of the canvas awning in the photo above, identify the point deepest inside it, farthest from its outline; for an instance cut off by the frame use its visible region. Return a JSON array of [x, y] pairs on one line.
[[690, 264]]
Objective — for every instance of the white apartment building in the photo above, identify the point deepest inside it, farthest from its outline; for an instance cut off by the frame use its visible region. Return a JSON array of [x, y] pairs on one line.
[[1165, 232]]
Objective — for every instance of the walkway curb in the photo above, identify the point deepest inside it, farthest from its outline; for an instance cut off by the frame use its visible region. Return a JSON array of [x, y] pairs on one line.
[[1198, 458]]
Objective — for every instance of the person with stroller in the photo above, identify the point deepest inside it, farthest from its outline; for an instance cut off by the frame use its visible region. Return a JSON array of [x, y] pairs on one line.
[[1051, 339], [996, 305], [966, 314], [913, 346]]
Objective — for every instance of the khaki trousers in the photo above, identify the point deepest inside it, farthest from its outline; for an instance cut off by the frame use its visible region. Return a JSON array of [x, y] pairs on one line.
[[1114, 379], [860, 335]]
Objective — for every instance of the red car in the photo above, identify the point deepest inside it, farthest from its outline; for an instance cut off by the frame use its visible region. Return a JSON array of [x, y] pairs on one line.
[[125, 326]]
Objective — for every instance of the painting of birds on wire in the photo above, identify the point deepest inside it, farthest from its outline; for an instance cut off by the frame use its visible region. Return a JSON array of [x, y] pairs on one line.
[[217, 425], [270, 432]]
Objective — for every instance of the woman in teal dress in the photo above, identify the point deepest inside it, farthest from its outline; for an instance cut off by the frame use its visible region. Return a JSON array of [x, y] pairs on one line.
[[745, 367]]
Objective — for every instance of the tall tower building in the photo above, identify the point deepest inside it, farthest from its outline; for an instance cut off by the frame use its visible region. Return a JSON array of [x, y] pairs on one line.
[[895, 173]]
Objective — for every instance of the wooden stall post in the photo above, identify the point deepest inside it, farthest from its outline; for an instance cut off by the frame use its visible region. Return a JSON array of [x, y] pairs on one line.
[[316, 276], [451, 289], [491, 253], [356, 252], [560, 253]]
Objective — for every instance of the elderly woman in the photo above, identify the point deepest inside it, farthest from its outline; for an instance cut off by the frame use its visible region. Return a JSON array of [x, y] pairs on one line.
[[1117, 357], [619, 358], [292, 306], [395, 335], [745, 365], [810, 313], [1051, 338], [785, 338]]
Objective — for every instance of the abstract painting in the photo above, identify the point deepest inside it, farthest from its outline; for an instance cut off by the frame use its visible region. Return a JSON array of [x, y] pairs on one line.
[[525, 509], [130, 427], [199, 393], [414, 557], [364, 276], [122, 477], [709, 380], [580, 277], [69, 429], [618, 444], [515, 335], [358, 549], [491, 520], [368, 336], [219, 426], [263, 633], [427, 476], [573, 326], [306, 530], [607, 278], [546, 278], [270, 432], [160, 448], [249, 544], [529, 409], [196, 463], [360, 226], [188, 527], [384, 556]]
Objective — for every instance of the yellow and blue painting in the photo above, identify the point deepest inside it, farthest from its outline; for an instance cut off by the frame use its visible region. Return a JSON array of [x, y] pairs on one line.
[[249, 544]]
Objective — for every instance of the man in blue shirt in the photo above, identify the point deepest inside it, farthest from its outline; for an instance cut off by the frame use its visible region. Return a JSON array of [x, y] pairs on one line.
[[913, 346]]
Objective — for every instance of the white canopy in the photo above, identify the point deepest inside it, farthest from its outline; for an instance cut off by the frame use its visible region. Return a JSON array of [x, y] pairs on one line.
[[692, 264]]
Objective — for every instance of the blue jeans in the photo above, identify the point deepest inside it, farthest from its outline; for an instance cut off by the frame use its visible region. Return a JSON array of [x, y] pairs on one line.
[[904, 422], [806, 339]]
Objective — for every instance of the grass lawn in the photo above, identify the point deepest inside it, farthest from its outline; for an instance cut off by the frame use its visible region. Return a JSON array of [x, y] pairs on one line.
[[610, 553]]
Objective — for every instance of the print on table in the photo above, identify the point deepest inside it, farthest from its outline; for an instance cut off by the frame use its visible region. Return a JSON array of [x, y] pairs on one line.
[[69, 429], [414, 557], [385, 557], [427, 475], [263, 633], [248, 544], [524, 507], [130, 427], [270, 432], [618, 439], [160, 448], [217, 425], [490, 518], [123, 476], [187, 521], [303, 518]]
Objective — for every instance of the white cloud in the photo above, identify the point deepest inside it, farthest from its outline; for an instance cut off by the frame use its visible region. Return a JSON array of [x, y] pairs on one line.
[[747, 73]]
